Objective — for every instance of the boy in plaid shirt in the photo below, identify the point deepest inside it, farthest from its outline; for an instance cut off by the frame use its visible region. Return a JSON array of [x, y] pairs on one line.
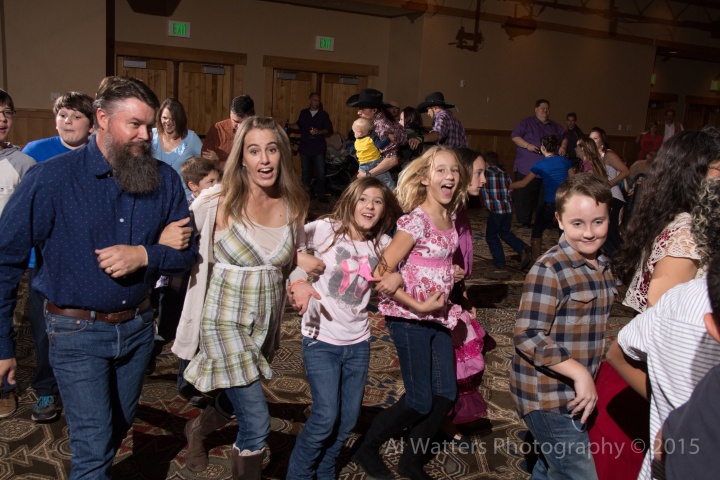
[[560, 332], [496, 196]]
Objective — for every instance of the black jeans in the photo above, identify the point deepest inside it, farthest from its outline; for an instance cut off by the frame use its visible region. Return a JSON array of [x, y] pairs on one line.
[[525, 200], [44, 382]]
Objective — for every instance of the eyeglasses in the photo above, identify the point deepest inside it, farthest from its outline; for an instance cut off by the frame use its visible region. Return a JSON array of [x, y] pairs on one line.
[[8, 113]]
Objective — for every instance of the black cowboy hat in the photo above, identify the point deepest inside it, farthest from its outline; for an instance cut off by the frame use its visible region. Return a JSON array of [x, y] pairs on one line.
[[434, 99], [367, 98]]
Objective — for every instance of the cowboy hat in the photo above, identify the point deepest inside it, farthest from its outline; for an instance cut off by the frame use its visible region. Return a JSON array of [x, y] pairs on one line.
[[434, 99], [367, 98]]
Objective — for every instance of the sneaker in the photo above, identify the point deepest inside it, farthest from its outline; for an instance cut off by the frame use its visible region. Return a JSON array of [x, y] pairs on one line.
[[45, 410], [8, 403]]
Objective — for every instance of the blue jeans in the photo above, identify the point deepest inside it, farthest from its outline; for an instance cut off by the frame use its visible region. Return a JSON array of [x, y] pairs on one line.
[[385, 177], [44, 382], [99, 368], [337, 377], [427, 361], [316, 163], [498, 228], [563, 446], [252, 414], [543, 218]]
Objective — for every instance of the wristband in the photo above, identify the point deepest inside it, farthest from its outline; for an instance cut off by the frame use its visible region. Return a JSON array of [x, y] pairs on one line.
[[296, 282]]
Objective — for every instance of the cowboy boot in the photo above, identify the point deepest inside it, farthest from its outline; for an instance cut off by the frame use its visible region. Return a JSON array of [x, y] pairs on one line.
[[536, 246], [196, 431], [388, 424], [418, 445], [246, 465]]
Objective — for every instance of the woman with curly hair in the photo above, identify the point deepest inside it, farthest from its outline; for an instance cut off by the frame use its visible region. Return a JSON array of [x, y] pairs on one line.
[[660, 252]]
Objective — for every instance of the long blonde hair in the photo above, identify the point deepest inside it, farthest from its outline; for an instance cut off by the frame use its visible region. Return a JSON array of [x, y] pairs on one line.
[[410, 191], [236, 184]]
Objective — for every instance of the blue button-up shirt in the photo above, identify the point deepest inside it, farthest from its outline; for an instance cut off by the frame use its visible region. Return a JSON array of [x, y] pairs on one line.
[[70, 206]]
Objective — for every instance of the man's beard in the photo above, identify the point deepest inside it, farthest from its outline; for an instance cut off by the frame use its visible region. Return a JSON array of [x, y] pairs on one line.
[[137, 173]]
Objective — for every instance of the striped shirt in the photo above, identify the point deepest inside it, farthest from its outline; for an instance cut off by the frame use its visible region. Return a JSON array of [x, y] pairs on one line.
[[563, 314], [672, 339], [496, 191]]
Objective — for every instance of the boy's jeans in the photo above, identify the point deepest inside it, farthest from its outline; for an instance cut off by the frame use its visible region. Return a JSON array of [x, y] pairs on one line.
[[563, 446], [385, 177]]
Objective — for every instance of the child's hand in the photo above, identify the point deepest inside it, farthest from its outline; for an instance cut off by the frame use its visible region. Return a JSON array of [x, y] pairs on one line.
[[458, 273], [389, 283], [585, 397], [310, 264], [435, 301], [299, 296]]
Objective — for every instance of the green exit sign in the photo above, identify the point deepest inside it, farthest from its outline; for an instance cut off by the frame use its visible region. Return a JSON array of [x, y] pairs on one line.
[[178, 29], [715, 86], [325, 43]]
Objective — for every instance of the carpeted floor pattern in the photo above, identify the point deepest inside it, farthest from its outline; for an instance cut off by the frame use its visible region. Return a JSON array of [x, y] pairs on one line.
[[155, 447]]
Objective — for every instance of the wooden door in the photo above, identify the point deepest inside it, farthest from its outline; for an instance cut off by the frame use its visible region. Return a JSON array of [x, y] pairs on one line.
[[206, 92], [157, 74], [290, 94], [334, 92]]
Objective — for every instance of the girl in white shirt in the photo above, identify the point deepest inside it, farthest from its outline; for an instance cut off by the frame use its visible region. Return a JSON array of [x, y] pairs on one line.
[[335, 328]]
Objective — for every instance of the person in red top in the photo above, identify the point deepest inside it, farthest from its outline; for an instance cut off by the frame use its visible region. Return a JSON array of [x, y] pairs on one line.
[[219, 139], [650, 141]]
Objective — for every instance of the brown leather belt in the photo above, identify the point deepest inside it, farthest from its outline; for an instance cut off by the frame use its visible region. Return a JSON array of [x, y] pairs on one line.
[[113, 317]]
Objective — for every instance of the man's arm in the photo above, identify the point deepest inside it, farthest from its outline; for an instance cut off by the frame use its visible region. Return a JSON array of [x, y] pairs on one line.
[[164, 260], [522, 143]]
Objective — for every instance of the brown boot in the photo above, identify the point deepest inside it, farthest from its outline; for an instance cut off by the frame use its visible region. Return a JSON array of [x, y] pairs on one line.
[[536, 246], [246, 465], [196, 431]]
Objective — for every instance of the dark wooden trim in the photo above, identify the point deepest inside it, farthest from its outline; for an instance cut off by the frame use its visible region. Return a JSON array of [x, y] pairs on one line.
[[180, 54], [695, 100], [664, 97], [321, 66], [109, 37]]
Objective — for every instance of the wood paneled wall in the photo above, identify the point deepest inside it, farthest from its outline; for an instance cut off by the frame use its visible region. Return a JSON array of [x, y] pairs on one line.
[[499, 141], [32, 124]]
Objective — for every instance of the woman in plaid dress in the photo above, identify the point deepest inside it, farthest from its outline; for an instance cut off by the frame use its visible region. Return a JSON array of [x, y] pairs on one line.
[[248, 228]]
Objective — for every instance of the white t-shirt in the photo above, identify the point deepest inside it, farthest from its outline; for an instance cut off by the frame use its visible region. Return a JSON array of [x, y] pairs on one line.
[[671, 337], [340, 317]]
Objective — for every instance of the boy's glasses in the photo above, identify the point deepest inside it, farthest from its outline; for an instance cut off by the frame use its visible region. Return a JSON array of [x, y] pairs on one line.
[[8, 113]]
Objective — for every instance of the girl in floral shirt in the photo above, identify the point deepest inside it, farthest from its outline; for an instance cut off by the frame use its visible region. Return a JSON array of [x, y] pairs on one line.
[[418, 315]]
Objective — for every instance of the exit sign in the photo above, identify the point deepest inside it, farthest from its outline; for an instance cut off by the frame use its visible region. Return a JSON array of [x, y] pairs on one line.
[[325, 43], [178, 29]]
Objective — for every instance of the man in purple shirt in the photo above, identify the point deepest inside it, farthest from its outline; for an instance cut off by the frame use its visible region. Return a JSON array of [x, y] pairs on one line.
[[527, 136], [446, 130]]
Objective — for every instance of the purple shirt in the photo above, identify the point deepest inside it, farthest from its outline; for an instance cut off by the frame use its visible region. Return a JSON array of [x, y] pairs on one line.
[[532, 130], [451, 132]]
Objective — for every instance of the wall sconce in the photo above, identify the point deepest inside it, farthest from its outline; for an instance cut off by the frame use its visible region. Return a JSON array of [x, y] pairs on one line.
[[652, 79], [715, 86]]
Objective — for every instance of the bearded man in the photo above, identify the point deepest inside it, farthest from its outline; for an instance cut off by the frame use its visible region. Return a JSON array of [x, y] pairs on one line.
[[97, 213]]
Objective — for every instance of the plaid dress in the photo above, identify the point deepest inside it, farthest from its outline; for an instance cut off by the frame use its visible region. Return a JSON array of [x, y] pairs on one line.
[[244, 304]]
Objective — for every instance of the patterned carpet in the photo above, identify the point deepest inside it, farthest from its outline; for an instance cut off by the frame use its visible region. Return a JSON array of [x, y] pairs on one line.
[[154, 449]]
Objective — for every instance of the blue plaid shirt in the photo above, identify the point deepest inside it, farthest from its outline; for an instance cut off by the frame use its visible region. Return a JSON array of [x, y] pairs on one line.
[[496, 191]]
